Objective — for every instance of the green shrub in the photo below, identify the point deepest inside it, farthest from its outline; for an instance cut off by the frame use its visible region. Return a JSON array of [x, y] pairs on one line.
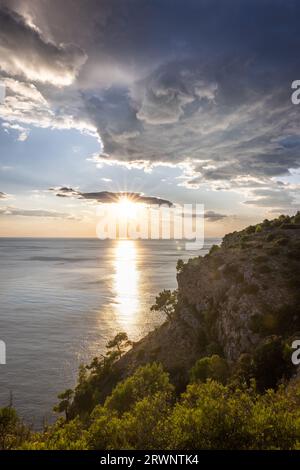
[[13, 432], [213, 249], [296, 218], [179, 265], [208, 415], [146, 381], [250, 229], [214, 367], [214, 416], [245, 238], [271, 363]]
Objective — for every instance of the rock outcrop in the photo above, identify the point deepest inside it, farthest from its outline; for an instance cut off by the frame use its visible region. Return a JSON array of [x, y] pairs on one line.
[[229, 300]]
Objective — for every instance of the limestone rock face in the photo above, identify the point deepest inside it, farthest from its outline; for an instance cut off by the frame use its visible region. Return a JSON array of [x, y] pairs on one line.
[[229, 299], [244, 283]]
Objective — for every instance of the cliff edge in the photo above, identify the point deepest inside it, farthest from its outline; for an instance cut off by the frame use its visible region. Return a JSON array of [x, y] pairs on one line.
[[229, 301]]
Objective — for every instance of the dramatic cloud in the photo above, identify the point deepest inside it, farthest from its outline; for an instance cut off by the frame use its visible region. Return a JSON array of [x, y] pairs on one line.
[[109, 197], [3, 195], [24, 52], [270, 198], [225, 111], [33, 71], [25, 105], [201, 85]]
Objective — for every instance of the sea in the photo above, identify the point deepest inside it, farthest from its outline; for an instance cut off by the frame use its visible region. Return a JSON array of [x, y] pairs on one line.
[[62, 300]]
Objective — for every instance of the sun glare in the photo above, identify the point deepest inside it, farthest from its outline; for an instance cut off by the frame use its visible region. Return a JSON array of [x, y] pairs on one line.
[[126, 208]]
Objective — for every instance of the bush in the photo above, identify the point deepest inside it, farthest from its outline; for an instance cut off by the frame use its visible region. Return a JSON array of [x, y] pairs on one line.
[[179, 265], [12, 431], [271, 363], [60, 436], [250, 229], [296, 218], [144, 427], [208, 415], [146, 381], [214, 416], [243, 370], [213, 249], [214, 367]]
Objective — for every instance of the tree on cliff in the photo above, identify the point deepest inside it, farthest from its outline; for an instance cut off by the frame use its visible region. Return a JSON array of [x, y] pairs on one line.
[[65, 402], [166, 302], [118, 344]]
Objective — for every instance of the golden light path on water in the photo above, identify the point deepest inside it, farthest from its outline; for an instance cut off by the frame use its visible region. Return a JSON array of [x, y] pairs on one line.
[[126, 283]]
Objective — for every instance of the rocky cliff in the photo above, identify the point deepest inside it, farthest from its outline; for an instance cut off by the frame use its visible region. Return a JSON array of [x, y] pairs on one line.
[[229, 300]]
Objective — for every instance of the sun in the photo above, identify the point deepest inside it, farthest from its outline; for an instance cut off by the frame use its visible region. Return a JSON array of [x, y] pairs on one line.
[[126, 208]]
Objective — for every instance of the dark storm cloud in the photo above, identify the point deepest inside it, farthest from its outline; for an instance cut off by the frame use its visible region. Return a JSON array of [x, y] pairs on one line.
[[201, 83], [273, 164], [109, 197], [222, 97], [271, 198]]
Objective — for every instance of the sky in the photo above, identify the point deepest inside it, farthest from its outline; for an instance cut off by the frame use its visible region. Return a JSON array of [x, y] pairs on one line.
[[188, 101]]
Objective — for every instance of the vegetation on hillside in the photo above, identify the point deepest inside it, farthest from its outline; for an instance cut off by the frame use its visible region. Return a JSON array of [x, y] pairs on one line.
[[143, 412], [249, 403]]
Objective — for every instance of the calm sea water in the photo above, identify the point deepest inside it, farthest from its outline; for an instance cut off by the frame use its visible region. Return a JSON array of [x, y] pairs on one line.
[[61, 300]]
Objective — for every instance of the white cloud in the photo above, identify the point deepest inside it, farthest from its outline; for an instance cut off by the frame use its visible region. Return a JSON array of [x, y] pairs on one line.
[[189, 99], [23, 132], [14, 211], [25, 52]]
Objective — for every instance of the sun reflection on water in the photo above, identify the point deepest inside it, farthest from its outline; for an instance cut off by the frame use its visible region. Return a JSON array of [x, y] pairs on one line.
[[126, 282]]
